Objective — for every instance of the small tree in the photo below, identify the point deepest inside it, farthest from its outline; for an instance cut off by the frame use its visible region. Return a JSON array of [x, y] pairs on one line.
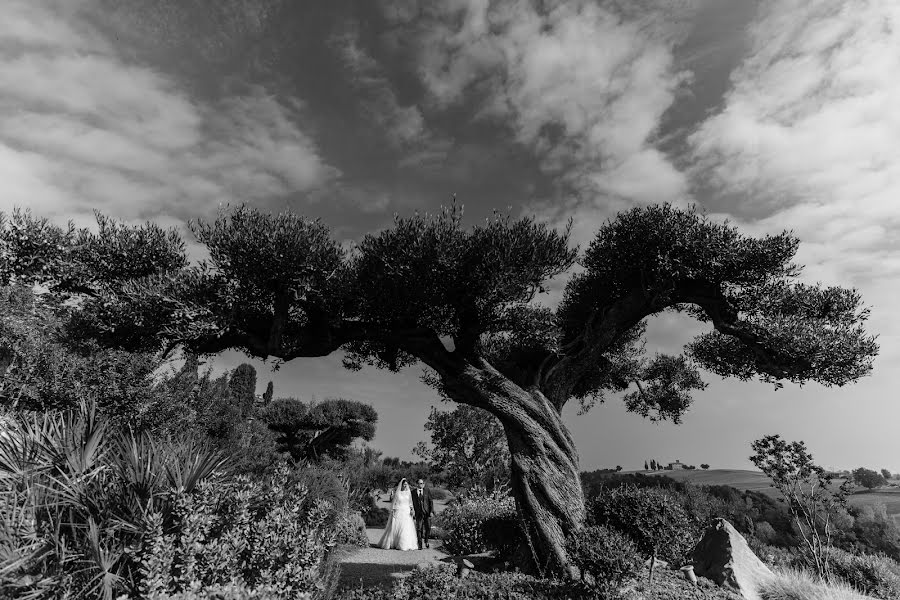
[[868, 478], [312, 431], [807, 489], [468, 444], [646, 466], [886, 474], [242, 386], [704, 466], [267, 396]]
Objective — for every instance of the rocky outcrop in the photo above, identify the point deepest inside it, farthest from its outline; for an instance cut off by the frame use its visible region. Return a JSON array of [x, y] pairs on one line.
[[724, 556]]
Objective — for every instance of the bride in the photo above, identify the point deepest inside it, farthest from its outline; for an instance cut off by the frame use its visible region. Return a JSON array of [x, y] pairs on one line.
[[400, 531]]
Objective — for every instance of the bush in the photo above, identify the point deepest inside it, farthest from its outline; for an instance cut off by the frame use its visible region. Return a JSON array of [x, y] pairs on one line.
[[74, 495], [463, 521], [440, 581], [873, 575], [653, 519], [775, 556], [351, 529], [89, 512], [322, 484], [604, 556], [440, 494], [376, 517], [238, 530], [504, 536]]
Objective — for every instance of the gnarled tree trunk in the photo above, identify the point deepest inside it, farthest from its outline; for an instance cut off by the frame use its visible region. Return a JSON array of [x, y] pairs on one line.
[[544, 462]]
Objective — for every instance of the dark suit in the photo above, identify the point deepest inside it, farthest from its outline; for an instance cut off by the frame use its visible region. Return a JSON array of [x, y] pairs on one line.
[[423, 507]]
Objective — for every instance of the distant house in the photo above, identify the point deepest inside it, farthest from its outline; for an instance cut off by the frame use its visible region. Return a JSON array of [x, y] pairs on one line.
[[677, 465]]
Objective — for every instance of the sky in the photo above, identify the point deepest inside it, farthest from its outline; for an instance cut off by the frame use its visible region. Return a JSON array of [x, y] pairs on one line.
[[775, 114]]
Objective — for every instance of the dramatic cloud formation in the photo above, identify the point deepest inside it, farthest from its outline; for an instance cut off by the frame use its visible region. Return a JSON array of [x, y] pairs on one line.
[[81, 128], [583, 85], [807, 140]]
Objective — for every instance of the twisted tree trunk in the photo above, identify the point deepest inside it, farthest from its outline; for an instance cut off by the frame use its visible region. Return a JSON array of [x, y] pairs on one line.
[[544, 462]]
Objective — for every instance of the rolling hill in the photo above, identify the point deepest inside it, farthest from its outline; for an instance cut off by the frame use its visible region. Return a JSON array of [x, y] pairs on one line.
[[756, 481]]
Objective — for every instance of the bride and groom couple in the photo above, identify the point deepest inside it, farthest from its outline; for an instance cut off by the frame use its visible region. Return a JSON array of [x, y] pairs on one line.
[[409, 521]]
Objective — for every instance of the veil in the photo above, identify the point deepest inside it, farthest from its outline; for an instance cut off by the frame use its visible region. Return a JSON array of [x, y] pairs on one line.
[[395, 503]]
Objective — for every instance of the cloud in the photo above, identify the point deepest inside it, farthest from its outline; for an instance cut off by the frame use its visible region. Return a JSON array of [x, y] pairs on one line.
[[402, 125], [82, 128], [807, 140], [583, 85]]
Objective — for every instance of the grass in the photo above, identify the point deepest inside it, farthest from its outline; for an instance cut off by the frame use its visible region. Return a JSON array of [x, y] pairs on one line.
[[800, 585]]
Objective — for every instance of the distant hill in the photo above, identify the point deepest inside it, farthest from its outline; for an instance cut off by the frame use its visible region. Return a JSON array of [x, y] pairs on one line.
[[736, 478], [756, 481]]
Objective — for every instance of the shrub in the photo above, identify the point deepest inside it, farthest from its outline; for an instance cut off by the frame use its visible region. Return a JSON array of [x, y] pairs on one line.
[[606, 556], [463, 521], [440, 581], [504, 536], [440, 494], [351, 529], [322, 484], [73, 498], [653, 519], [86, 511], [376, 517], [775, 556], [873, 575], [238, 531]]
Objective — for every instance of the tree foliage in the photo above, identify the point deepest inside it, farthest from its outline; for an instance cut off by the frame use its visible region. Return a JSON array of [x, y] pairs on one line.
[[468, 444], [242, 388], [282, 286], [312, 431], [868, 478], [41, 371]]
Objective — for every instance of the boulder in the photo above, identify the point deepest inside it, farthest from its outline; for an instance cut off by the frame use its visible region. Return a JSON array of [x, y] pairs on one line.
[[724, 556]]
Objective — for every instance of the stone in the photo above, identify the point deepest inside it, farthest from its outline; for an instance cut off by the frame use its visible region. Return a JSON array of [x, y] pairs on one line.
[[723, 556]]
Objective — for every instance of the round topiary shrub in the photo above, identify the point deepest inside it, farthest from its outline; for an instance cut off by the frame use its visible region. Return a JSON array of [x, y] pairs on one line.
[[605, 557], [350, 529], [463, 520], [504, 536], [653, 518]]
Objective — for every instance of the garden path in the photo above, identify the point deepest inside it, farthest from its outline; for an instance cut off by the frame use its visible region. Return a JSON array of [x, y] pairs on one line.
[[372, 566]]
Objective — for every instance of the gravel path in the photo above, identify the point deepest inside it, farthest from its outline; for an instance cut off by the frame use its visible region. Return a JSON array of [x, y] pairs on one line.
[[373, 566]]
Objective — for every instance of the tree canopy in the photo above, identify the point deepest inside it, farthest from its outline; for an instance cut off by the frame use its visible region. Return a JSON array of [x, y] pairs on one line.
[[281, 286], [468, 444], [311, 431], [868, 478]]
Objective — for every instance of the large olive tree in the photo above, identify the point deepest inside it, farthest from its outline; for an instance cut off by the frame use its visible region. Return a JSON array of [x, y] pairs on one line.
[[460, 300]]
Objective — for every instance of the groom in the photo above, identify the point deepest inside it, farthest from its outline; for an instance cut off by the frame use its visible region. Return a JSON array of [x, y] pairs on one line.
[[423, 508]]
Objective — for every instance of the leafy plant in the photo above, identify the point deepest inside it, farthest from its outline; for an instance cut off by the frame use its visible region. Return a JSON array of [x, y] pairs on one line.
[[75, 495], [463, 521], [467, 443], [652, 518], [605, 557], [876, 576]]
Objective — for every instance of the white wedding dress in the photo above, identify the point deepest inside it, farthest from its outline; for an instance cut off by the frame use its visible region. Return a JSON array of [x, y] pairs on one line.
[[400, 531]]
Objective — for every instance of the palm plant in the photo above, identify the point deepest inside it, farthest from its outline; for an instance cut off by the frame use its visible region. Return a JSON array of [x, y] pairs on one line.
[[74, 498]]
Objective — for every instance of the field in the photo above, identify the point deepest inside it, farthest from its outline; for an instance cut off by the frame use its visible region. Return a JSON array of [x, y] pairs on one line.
[[756, 481]]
